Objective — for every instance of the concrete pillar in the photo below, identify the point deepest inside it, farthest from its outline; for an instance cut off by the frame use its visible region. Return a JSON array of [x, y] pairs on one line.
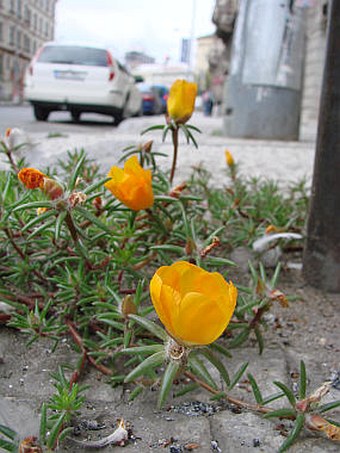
[[263, 90]]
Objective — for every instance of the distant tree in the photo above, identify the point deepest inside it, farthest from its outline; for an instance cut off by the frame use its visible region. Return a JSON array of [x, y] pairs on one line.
[[321, 261]]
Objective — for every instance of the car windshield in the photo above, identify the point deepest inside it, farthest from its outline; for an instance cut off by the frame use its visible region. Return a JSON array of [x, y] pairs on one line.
[[143, 88], [85, 56]]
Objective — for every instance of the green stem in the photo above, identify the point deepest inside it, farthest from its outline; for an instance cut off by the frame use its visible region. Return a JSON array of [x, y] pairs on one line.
[[174, 160]]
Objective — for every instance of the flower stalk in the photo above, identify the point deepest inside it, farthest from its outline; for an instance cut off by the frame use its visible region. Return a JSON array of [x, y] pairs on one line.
[[174, 158]]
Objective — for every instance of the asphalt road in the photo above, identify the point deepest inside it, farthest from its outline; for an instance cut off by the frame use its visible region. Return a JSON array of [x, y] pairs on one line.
[[21, 116]]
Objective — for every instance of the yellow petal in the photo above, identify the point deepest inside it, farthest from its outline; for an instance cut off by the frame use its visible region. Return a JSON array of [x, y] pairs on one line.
[[200, 320], [194, 305], [131, 185], [181, 100]]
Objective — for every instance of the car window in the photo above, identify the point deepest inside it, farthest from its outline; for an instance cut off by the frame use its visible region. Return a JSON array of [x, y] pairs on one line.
[[122, 68], [144, 88], [85, 56]]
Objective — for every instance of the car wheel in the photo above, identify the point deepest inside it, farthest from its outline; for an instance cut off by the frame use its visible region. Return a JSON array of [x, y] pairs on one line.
[[40, 113], [75, 116], [118, 117]]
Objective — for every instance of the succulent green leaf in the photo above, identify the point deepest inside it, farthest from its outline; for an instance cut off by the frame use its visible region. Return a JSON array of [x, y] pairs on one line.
[[77, 170], [201, 371], [303, 381], [238, 375], [33, 205], [55, 430], [147, 349], [259, 338], [240, 338], [257, 392], [299, 422], [8, 446], [328, 406], [221, 349], [168, 378], [151, 362], [38, 219], [285, 412], [152, 128], [273, 397], [93, 219], [8, 432], [287, 391], [217, 364], [95, 186], [152, 327]]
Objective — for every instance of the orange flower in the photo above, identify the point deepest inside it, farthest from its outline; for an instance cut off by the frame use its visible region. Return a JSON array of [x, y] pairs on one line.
[[32, 178], [194, 305], [131, 185], [181, 100]]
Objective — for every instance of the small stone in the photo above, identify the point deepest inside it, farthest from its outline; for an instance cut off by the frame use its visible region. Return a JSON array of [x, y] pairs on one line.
[[175, 449], [215, 447], [256, 442]]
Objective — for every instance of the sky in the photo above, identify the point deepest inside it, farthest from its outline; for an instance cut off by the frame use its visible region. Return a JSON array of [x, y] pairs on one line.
[[155, 27]]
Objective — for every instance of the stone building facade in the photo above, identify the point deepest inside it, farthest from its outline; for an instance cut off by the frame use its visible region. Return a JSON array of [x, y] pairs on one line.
[[24, 26]]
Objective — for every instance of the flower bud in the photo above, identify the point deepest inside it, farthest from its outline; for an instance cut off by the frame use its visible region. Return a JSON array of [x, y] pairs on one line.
[[181, 101], [128, 306], [52, 188], [31, 178], [229, 158], [146, 147]]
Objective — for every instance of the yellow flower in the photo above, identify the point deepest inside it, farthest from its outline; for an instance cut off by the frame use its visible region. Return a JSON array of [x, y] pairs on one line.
[[32, 178], [194, 305], [181, 100], [229, 158], [41, 211], [272, 229], [132, 186]]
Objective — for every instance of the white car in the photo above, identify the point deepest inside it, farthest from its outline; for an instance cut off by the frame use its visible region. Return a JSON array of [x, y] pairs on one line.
[[80, 79]]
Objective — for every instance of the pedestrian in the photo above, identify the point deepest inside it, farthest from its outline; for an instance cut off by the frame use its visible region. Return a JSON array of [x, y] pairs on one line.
[[208, 102]]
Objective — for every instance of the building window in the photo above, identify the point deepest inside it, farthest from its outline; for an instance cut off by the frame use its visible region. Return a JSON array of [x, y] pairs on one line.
[[46, 29], [19, 8], [12, 7], [27, 15], [12, 35], [19, 34], [27, 44], [1, 32], [35, 21]]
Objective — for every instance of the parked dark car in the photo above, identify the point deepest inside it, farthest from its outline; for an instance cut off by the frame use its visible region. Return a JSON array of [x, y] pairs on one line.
[[153, 100], [163, 92]]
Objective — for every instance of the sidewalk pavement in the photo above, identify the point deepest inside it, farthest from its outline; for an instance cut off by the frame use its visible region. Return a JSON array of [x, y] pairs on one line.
[[308, 329], [285, 162]]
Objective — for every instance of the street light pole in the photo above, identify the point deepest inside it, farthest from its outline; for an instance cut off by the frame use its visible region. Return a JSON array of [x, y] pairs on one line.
[[192, 37]]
